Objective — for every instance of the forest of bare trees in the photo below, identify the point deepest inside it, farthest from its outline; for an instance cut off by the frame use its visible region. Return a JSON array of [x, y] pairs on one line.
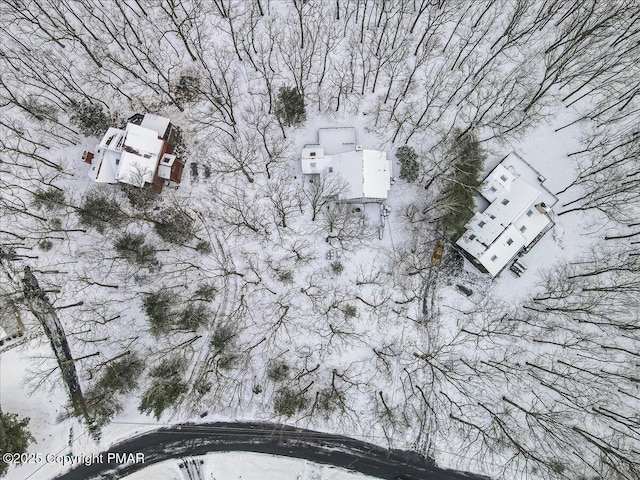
[[220, 297]]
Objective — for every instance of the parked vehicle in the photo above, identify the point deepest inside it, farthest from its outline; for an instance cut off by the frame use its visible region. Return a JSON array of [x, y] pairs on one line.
[[467, 291]]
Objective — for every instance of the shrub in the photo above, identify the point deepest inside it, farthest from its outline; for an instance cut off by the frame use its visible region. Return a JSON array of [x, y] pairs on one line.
[[45, 245], [287, 402], [290, 107], [350, 311], [187, 89], [133, 247], [277, 370], [337, 267], [89, 118], [174, 225], [56, 223], [409, 165], [329, 400], [49, 199], [203, 247], [99, 211], [285, 276]]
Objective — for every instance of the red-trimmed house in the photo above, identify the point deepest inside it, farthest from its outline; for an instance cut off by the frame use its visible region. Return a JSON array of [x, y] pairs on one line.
[[140, 154]]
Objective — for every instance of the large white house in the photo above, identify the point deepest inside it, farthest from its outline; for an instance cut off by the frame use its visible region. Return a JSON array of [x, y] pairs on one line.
[[366, 172], [513, 215], [138, 155]]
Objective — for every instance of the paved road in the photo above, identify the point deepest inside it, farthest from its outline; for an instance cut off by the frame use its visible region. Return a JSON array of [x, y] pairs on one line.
[[199, 439]]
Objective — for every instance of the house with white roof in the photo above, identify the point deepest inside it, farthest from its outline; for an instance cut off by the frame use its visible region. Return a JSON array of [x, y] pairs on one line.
[[140, 154], [367, 173], [513, 215], [11, 326]]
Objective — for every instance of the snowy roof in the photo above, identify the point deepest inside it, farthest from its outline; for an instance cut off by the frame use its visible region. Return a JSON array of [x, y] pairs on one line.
[[511, 221], [9, 319], [366, 172], [130, 155], [104, 167], [156, 123], [336, 140], [142, 141], [136, 170], [164, 168], [377, 174], [112, 139]]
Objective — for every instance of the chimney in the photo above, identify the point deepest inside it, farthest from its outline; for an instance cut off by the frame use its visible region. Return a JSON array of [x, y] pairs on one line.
[[87, 157], [542, 208]]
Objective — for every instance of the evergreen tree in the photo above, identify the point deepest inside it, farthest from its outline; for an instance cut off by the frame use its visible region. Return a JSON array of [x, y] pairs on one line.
[[409, 166], [14, 436], [290, 106], [463, 181], [174, 225], [89, 118], [99, 211], [159, 309], [50, 198], [133, 247], [118, 378], [166, 387]]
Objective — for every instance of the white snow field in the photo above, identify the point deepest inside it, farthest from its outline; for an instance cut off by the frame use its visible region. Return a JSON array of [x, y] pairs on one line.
[[247, 466]]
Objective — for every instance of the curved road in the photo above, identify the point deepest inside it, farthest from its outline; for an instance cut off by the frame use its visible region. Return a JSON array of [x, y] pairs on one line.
[[198, 439]]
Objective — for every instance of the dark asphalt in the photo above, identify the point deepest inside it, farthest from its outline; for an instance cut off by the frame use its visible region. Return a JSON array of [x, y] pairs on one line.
[[199, 439]]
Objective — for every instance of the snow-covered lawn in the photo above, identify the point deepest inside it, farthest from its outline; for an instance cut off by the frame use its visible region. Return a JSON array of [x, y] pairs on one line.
[[246, 466]]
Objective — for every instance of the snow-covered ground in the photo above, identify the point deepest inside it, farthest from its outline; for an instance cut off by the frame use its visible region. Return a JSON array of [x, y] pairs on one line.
[[53, 435], [547, 149], [245, 466], [381, 346]]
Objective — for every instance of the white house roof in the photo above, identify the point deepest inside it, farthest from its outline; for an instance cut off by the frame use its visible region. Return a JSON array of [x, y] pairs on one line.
[[130, 155], [164, 168], [136, 169], [112, 139], [142, 141], [336, 140], [510, 223], [156, 123], [366, 172], [104, 166], [376, 173]]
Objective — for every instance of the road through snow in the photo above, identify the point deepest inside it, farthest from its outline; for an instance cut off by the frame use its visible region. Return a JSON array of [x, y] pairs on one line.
[[325, 448]]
